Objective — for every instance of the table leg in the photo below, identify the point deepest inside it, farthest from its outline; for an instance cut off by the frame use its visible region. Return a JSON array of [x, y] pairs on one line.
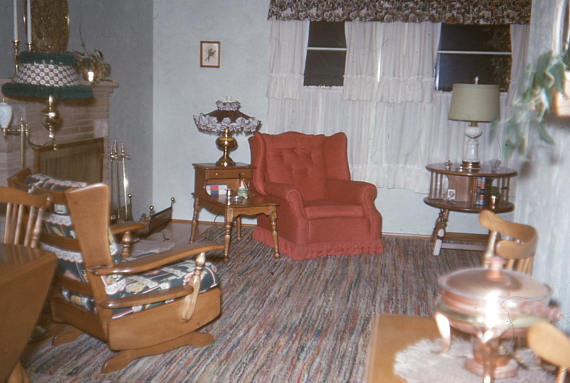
[[238, 228], [439, 230], [228, 219], [273, 217], [195, 219]]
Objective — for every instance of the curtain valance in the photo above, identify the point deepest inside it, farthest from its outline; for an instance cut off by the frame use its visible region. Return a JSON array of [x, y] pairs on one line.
[[413, 11]]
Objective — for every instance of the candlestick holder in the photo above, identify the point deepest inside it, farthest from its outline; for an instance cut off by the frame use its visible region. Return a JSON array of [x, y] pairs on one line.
[[15, 53]]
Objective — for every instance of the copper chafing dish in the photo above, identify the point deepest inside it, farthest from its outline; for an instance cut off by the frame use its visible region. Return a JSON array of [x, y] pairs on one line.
[[492, 304]]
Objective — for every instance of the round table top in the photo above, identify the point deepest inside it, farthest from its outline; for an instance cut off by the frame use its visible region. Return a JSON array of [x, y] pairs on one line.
[[486, 170]]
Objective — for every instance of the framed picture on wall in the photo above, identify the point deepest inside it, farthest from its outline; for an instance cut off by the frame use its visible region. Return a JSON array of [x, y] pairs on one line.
[[210, 54]]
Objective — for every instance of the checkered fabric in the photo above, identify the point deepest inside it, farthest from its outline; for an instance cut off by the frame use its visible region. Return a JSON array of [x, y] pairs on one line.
[[48, 74]]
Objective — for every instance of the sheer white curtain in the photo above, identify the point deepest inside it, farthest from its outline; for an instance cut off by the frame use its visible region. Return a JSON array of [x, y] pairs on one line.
[[408, 59], [287, 61], [394, 132]]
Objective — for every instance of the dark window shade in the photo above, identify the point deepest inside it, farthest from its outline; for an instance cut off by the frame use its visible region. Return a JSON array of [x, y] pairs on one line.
[[458, 67], [326, 54], [491, 69], [456, 37], [324, 68], [326, 35]]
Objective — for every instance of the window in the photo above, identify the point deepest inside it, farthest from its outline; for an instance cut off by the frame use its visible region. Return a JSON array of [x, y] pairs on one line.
[[469, 51], [326, 53]]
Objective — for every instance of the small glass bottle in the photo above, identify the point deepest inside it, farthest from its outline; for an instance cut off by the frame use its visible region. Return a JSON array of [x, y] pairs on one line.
[[242, 190]]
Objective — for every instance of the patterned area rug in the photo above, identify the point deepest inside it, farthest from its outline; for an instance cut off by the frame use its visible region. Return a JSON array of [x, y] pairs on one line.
[[282, 320]]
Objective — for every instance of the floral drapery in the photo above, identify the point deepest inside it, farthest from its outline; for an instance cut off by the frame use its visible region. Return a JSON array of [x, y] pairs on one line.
[[413, 11]]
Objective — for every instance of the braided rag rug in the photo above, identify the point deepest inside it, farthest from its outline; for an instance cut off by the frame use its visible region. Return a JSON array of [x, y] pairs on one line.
[[282, 320]]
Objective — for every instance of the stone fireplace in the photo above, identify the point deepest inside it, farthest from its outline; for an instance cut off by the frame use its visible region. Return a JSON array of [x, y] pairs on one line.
[[84, 130]]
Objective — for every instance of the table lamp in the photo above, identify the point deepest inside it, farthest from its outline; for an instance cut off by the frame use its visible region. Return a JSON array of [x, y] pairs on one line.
[[225, 121], [474, 103]]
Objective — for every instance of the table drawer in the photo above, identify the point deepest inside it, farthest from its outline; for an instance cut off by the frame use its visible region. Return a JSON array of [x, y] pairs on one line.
[[227, 173]]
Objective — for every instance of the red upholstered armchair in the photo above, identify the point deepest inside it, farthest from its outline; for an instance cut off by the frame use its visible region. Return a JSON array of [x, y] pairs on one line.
[[321, 211]]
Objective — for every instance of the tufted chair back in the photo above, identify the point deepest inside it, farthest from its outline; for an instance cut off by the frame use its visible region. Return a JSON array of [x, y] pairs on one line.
[[305, 161]]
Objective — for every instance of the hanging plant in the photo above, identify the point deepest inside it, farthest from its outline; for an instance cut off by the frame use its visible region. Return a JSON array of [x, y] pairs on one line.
[[538, 85]]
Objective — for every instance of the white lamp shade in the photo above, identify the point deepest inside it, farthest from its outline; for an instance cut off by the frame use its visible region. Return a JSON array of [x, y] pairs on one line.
[[474, 102], [5, 114]]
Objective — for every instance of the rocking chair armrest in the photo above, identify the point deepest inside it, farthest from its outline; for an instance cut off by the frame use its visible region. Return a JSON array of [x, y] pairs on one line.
[[120, 228], [154, 261], [148, 298]]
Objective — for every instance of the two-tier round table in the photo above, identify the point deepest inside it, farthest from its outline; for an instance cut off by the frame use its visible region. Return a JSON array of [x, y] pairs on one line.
[[454, 188]]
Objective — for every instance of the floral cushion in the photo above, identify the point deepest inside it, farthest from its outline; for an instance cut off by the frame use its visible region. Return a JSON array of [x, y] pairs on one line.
[[120, 286], [70, 263]]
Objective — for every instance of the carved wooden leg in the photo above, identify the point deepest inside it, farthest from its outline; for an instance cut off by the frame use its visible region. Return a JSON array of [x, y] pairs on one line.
[[69, 334], [238, 228], [229, 217], [123, 358], [195, 219], [439, 230], [273, 217]]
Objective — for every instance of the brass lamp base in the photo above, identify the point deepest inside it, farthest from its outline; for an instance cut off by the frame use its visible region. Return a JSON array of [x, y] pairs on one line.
[[226, 143]]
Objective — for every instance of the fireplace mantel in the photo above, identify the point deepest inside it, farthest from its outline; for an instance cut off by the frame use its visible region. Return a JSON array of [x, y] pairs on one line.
[[81, 120]]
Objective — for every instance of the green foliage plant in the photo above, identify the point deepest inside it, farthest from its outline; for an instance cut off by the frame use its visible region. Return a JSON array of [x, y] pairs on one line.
[[538, 84]]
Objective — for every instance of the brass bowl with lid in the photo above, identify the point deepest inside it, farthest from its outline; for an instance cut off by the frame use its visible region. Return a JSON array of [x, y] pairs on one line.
[[491, 304]]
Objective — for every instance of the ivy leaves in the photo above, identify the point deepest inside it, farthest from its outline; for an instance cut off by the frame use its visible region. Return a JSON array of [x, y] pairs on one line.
[[538, 84]]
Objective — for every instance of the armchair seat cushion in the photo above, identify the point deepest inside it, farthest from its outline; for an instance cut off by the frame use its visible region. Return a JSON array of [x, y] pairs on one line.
[[330, 209], [121, 286]]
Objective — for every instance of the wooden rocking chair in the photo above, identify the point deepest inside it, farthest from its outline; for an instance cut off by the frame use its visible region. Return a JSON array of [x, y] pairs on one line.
[[123, 301]]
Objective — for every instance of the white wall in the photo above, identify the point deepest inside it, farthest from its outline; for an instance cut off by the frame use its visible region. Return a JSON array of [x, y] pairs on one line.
[[122, 30], [182, 88], [544, 182]]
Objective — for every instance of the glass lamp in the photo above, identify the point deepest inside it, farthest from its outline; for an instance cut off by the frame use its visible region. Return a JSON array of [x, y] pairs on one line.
[[473, 103], [225, 121]]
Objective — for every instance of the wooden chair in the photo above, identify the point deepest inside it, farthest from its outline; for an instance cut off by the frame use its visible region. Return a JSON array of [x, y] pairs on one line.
[[552, 345], [125, 231], [23, 216], [25, 276], [122, 302], [518, 249]]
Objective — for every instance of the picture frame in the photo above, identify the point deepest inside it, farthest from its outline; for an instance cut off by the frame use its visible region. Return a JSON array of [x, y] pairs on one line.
[[210, 54]]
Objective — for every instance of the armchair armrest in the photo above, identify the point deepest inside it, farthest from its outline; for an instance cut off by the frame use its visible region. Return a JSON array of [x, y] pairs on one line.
[[124, 227], [288, 193], [351, 191], [154, 261]]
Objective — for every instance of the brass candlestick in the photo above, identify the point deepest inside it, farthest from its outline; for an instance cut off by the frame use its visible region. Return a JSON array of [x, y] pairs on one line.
[[15, 53]]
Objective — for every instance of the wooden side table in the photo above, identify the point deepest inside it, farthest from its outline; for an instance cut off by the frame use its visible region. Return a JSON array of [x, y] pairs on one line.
[[453, 188], [210, 174]]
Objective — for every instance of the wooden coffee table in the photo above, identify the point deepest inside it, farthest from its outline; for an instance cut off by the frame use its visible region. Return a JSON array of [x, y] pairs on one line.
[[233, 211], [392, 334]]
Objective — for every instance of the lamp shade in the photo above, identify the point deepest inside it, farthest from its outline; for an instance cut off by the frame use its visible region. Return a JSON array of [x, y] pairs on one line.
[[226, 117], [474, 102]]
